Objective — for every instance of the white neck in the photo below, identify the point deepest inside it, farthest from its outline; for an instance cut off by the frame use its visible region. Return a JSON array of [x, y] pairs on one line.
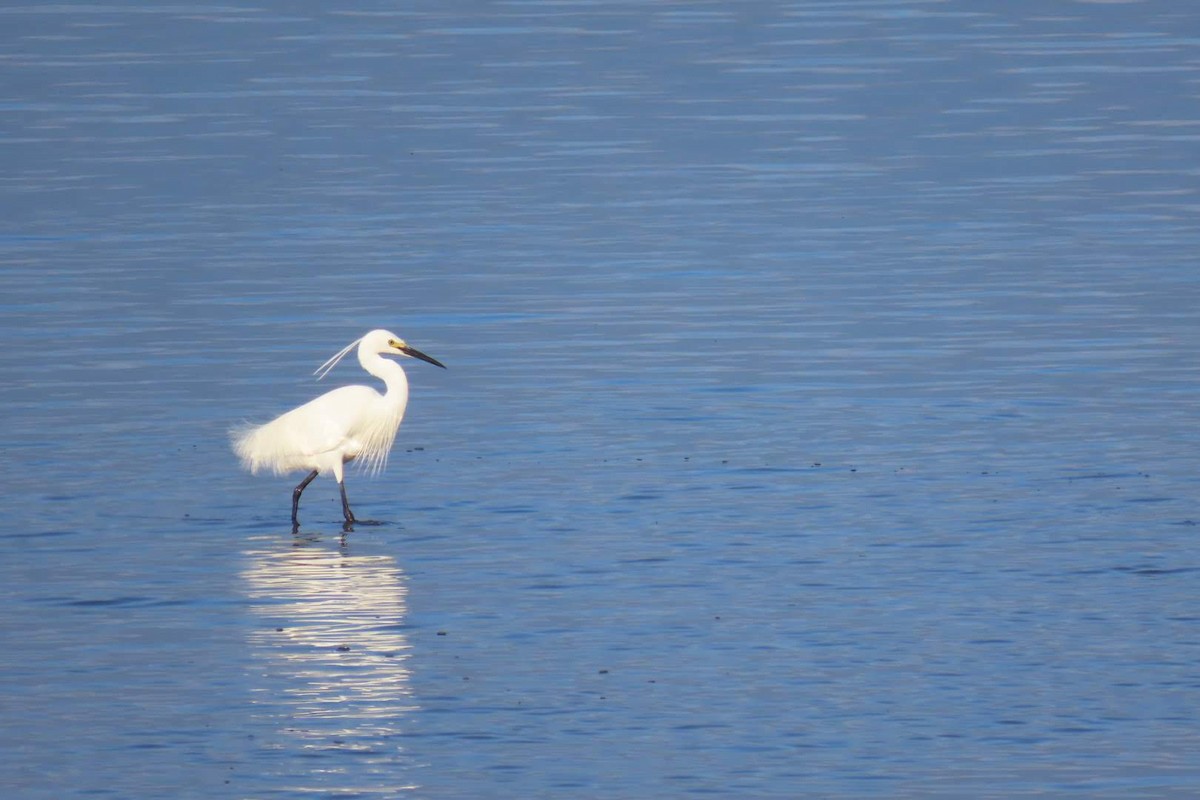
[[391, 373]]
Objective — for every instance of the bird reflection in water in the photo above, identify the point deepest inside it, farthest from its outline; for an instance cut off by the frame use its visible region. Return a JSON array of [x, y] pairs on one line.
[[329, 660]]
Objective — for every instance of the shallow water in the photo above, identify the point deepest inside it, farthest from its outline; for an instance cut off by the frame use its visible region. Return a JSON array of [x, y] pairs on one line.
[[820, 413]]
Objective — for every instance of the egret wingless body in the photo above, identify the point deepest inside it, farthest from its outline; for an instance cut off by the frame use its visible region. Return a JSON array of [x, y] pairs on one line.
[[353, 422]]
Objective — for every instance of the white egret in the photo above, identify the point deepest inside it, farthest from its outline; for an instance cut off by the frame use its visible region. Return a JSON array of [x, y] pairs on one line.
[[353, 422]]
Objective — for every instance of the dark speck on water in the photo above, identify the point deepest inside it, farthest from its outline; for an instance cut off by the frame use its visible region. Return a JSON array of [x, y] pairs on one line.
[[827, 371]]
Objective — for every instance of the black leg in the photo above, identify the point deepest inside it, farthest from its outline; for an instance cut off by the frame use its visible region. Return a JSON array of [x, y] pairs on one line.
[[299, 490], [346, 512]]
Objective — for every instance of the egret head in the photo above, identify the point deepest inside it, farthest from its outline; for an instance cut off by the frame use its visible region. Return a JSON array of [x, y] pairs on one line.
[[377, 342], [386, 342]]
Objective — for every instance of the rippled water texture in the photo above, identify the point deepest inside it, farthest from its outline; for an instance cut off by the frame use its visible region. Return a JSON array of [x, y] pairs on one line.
[[820, 417]]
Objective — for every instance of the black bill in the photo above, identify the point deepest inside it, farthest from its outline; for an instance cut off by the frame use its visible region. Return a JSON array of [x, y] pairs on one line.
[[415, 353]]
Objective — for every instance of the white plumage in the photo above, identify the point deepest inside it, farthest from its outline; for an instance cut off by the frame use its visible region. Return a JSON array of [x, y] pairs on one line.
[[353, 422]]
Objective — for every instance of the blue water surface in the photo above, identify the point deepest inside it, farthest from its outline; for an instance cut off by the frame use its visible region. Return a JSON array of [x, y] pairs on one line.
[[820, 418]]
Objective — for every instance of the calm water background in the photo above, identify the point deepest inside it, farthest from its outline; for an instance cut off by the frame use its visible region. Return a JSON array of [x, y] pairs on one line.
[[820, 420]]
